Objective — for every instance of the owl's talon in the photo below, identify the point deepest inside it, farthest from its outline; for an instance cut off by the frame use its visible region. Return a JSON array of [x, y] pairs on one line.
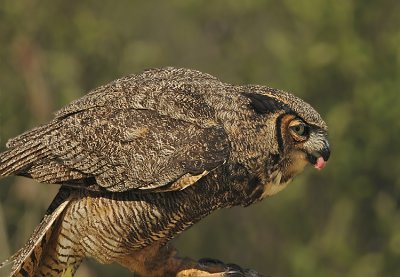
[[235, 268], [209, 267], [234, 273]]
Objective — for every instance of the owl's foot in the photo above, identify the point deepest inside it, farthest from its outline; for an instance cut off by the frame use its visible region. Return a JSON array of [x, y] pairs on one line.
[[215, 268], [163, 261]]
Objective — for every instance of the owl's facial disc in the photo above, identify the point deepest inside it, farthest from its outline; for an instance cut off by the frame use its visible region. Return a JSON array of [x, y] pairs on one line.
[[311, 140]]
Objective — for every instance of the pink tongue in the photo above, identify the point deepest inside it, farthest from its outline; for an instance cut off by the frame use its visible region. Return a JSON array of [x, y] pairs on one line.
[[320, 164]]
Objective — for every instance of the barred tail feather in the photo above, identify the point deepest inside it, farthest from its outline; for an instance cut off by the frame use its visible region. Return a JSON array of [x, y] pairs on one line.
[[27, 260]]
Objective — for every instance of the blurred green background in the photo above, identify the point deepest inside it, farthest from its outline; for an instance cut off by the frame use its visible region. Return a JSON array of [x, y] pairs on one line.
[[342, 56]]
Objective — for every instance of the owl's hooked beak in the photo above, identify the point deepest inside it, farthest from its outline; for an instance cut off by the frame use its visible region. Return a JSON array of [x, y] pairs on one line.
[[320, 157]]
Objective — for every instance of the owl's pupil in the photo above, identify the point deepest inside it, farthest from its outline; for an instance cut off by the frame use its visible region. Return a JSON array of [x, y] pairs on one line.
[[299, 129]]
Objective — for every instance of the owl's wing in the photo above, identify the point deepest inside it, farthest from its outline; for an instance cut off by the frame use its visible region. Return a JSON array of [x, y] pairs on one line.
[[130, 148]]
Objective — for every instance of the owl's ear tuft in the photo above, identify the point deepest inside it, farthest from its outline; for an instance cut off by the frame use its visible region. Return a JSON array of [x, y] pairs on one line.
[[263, 104]]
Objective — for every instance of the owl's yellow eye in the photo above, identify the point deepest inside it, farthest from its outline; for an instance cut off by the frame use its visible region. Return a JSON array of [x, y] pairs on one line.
[[299, 129]]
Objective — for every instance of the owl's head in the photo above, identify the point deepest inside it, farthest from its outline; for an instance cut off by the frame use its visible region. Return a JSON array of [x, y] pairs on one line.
[[301, 133]]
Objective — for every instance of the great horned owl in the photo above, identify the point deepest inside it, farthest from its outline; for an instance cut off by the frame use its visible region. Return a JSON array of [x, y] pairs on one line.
[[143, 158]]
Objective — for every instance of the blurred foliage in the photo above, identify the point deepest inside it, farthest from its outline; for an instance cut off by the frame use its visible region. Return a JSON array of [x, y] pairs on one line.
[[342, 56]]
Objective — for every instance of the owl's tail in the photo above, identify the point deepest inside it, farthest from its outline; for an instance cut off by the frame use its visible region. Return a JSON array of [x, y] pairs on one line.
[[28, 261]]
